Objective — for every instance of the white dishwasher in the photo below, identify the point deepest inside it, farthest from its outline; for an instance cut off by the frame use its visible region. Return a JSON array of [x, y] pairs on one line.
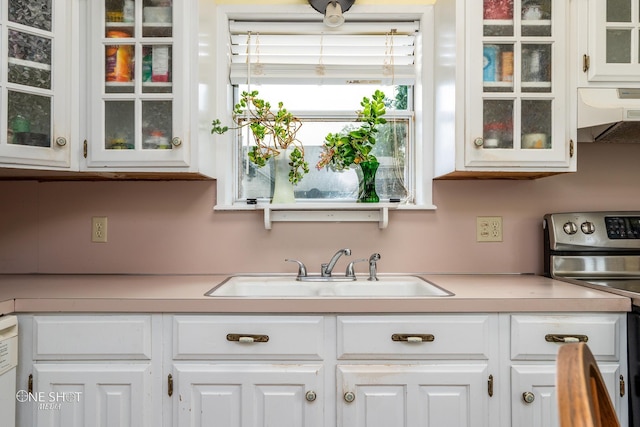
[[8, 364]]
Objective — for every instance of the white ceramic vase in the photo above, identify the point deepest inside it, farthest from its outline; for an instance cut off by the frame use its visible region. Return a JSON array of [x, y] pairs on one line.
[[283, 188]]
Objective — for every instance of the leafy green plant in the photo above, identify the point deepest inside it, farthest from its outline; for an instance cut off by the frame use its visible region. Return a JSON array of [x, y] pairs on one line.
[[273, 132], [343, 149]]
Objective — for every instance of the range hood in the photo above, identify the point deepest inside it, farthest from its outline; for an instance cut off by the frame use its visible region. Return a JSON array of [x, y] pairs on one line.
[[609, 115]]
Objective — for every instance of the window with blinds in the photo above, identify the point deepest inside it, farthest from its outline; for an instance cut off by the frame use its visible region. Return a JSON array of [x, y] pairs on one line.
[[321, 75]]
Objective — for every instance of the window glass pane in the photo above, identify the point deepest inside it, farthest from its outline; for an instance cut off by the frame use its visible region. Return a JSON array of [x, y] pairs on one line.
[[335, 108], [390, 150], [344, 98]]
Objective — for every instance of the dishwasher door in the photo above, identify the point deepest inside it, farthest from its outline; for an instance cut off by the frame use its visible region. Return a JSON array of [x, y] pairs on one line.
[[8, 364]]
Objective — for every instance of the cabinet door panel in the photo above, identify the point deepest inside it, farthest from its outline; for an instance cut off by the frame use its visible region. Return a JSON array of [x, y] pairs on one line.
[[81, 395], [412, 395], [540, 380], [614, 45], [228, 395]]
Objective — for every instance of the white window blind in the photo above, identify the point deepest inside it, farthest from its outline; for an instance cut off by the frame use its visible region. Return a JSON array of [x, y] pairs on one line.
[[310, 53]]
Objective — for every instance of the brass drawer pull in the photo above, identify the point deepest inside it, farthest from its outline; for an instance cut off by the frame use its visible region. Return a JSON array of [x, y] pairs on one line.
[[413, 338], [247, 338], [563, 338]]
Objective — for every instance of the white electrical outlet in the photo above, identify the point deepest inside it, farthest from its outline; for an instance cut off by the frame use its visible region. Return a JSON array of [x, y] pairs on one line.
[[99, 229], [489, 229]]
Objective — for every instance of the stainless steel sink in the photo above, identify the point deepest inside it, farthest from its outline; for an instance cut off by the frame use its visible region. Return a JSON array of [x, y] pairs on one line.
[[266, 286]]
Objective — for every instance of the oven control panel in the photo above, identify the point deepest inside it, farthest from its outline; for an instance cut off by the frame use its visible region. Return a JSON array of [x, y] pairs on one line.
[[623, 227], [592, 231]]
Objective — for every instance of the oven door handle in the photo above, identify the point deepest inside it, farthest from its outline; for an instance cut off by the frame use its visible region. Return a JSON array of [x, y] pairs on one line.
[[565, 338]]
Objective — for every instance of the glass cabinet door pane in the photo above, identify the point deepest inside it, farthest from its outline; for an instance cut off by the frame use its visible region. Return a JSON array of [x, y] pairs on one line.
[[498, 17], [497, 71], [618, 46], [119, 124], [33, 13], [536, 124], [618, 10], [29, 59], [156, 124], [536, 18], [157, 18], [536, 68], [120, 14], [498, 123], [156, 69], [29, 119]]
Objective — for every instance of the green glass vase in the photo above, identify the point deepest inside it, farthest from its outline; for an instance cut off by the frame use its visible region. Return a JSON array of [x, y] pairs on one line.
[[367, 182]]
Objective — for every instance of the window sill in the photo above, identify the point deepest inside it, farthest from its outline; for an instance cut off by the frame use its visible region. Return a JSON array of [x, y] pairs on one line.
[[325, 212]]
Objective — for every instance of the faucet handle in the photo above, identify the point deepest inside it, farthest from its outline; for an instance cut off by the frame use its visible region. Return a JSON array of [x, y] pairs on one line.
[[302, 270], [372, 267], [350, 270]]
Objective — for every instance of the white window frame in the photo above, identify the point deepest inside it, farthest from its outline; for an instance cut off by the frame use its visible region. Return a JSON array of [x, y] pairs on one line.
[[217, 95]]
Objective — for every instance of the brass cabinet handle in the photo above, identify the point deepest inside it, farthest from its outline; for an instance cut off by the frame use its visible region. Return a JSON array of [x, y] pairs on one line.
[[170, 385], [565, 338], [622, 388], [30, 384], [247, 338], [413, 338]]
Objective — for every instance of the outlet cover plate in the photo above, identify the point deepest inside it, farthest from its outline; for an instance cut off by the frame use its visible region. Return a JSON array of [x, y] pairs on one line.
[[489, 229]]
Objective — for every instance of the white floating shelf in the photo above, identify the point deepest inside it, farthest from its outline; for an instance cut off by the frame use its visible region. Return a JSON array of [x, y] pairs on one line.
[[361, 212]]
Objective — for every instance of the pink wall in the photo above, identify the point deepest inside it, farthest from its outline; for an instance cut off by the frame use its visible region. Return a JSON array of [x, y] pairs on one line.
[[170, 227]]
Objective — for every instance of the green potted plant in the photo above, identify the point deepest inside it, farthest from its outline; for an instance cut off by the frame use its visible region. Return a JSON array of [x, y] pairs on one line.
[[353, 147], [274, 133]]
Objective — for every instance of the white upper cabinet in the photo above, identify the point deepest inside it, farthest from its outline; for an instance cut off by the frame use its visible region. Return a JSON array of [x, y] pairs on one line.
[[512, 94], [611, 33], [34, 99], [139, 83]]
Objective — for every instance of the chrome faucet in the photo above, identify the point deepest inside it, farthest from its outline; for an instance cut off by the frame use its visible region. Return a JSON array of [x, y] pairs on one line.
[[372, 266], [326, 269]]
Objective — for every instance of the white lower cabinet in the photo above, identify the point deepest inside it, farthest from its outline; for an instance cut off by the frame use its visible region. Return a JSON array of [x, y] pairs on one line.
[[454, 370], [418, 370], [534, 341], [89, 370]]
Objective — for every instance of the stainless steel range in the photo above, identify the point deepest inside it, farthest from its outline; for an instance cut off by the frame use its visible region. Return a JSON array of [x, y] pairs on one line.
[[601, 250]]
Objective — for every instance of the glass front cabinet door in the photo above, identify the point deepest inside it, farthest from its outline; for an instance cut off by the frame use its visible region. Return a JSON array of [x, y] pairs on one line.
[[614, 42], [139, 85], [517, 97], [34, 81]]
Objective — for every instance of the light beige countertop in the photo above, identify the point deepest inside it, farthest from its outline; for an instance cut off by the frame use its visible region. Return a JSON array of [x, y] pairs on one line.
[[185, 293]]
